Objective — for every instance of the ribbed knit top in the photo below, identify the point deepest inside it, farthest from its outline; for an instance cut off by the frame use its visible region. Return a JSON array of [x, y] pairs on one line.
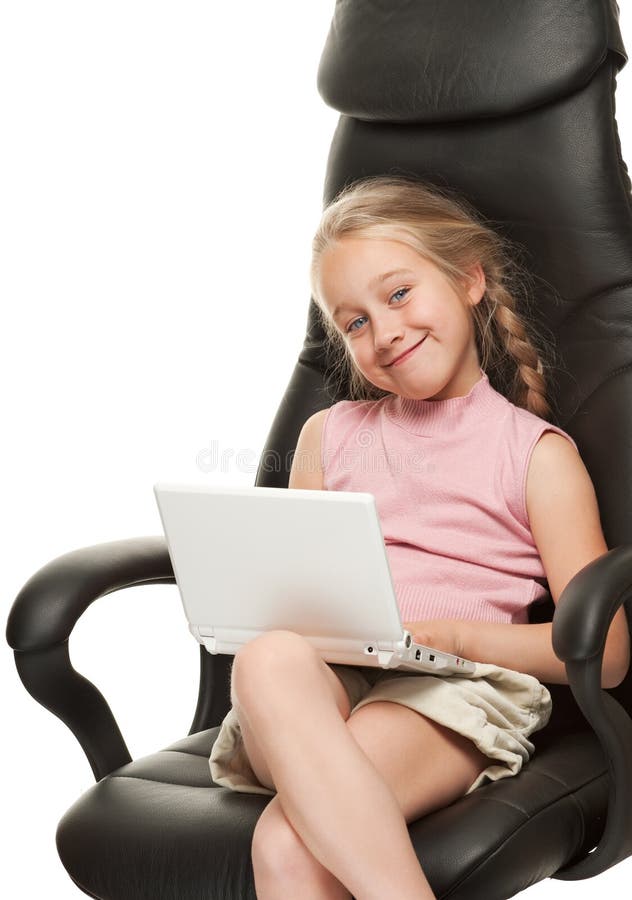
[[449, 480]]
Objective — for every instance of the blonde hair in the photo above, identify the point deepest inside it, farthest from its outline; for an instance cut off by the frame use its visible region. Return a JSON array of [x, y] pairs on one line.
[[446, 230]]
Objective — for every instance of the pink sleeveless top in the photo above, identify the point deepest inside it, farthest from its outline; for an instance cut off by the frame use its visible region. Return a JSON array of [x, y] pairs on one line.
[[449, 480]]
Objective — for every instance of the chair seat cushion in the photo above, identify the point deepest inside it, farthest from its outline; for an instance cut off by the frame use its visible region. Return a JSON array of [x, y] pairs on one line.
[[159, 827]]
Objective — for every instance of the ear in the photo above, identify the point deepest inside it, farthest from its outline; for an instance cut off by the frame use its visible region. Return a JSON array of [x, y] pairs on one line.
[[475, 284]]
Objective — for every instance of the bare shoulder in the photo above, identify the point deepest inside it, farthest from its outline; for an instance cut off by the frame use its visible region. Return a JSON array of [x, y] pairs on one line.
[[553, 449], [555, 465], [307, 472], [563, 511]]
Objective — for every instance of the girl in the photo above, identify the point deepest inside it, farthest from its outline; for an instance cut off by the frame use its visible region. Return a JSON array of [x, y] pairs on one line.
[[480, 499]]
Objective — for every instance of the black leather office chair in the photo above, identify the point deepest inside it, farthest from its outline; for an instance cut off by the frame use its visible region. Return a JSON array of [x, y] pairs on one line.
[[513, 105]]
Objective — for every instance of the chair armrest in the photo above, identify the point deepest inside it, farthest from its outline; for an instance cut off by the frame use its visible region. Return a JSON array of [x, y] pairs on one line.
[[42, 618], [581, 622], [53, 599]]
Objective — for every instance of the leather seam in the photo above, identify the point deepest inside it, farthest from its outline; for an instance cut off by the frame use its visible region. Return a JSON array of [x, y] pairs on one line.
[[201, 787], [188, 752], [527, 821]]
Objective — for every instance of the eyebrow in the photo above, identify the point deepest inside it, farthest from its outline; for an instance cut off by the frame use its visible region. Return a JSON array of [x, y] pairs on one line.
[[374, 283]]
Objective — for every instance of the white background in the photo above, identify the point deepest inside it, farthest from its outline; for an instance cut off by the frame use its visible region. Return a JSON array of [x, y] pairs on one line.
[[162, 175]]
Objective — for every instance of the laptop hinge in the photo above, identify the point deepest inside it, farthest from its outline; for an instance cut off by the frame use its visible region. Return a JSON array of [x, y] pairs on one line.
[[222, 640], [384, 657], [207, 639], [229, 640]]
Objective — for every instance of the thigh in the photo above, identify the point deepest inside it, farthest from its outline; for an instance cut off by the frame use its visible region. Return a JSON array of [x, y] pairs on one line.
[[254, 752], [496, 709], [426, 765]]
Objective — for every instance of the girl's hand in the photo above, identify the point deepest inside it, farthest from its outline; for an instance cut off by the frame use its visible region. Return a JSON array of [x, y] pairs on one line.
[[442, 634]]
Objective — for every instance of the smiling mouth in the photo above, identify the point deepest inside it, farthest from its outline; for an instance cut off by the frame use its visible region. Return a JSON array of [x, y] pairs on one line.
[[406, 353]]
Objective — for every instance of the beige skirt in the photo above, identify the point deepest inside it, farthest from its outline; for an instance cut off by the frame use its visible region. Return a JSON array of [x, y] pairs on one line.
[[496, 708]]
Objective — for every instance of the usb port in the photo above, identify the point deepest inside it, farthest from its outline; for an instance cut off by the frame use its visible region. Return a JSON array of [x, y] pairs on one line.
[[432, 657]]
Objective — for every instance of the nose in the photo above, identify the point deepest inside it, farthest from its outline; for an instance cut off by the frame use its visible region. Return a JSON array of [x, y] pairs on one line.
[[385, 333]]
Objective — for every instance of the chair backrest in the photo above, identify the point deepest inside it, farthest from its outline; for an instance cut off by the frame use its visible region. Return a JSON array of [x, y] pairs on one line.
[[515, 109]]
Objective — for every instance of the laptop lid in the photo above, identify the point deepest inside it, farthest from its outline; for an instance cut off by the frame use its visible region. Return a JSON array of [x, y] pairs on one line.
[[248, 560]]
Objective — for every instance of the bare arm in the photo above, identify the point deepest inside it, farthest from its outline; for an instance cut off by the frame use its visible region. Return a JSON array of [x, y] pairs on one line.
[[524, 648], [564, 519], [306, 472]]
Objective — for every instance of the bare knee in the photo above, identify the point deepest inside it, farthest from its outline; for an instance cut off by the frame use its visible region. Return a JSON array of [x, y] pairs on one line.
[[283, 865], [278, 852], [268, 654]]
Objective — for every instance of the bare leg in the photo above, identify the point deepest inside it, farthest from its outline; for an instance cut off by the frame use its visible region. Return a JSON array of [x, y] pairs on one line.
[[332, 795], [282, 864]]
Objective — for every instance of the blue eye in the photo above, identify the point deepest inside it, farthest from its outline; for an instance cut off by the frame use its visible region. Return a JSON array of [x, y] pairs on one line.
[[350, 326]]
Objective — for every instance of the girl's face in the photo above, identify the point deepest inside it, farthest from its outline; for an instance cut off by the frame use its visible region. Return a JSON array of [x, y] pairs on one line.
[[381, 318]]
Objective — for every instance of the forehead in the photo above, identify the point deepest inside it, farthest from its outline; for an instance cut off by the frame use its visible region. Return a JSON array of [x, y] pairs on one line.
[[354, 266]]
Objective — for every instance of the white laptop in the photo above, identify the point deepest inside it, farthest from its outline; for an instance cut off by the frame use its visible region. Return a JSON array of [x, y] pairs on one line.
[[250, 560]]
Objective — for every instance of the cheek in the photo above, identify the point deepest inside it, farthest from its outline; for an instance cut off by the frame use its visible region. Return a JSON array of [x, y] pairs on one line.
[[363, 360], [362, 356], [359, 359]]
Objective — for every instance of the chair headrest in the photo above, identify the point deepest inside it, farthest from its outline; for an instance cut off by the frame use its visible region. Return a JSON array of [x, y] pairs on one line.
[[448, 60]]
